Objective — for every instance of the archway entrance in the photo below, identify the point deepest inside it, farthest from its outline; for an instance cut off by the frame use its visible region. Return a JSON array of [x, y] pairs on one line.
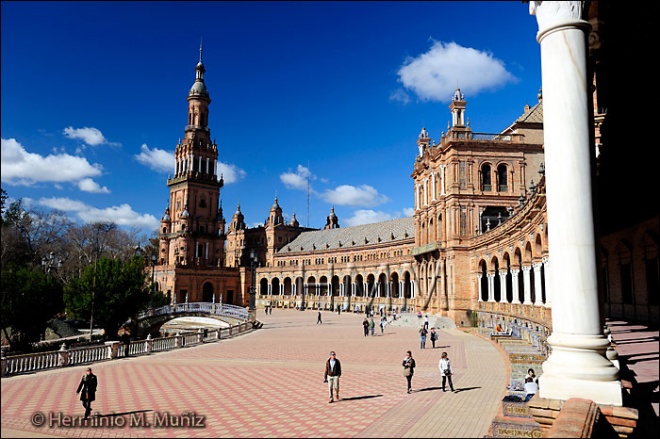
[[207, 292]]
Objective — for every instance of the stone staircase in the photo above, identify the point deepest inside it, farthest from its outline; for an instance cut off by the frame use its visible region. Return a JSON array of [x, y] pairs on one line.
[[514, 418], [410, 319]]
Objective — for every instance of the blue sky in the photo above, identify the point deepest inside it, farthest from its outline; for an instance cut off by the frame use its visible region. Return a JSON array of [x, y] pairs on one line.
[[330, 93]]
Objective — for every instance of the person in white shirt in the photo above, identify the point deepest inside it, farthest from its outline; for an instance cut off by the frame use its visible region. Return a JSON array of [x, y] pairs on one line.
[[531, 385], [446, 371]]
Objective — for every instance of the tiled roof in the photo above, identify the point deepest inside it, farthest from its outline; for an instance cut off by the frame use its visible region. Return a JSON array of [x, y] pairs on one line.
[[351, 237], [534, 115]]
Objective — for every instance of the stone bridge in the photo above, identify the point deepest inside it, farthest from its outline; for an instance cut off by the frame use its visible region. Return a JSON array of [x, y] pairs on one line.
[[151, 320]]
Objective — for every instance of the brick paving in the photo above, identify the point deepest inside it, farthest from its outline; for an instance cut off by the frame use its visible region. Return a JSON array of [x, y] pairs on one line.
[[269, 383]]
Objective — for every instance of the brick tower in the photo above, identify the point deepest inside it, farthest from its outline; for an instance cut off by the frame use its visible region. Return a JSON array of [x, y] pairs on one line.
[[192, 230]]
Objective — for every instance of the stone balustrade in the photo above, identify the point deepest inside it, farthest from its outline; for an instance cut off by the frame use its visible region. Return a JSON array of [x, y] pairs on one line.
[[64, 357]]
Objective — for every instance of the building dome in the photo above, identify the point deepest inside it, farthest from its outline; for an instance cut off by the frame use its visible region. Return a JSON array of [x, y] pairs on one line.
[[166, 217], [199, 88]]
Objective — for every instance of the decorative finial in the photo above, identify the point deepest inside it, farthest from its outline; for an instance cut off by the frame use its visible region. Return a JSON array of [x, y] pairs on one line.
[[200, 49]]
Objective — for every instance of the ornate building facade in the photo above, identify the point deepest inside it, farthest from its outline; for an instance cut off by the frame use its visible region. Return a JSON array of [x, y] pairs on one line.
[[479, 247], [191, 255]]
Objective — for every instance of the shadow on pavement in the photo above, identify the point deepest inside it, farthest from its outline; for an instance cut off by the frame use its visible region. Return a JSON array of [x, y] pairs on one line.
[[355, 398], [463, 389]]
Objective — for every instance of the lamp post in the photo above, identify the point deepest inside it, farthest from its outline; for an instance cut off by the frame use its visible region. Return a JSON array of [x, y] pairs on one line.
[[91, 312], [154, 258], [252, 308]]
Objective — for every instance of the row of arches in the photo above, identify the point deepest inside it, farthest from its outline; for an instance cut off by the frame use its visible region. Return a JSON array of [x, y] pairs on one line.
[[396, 286], [517, 276]]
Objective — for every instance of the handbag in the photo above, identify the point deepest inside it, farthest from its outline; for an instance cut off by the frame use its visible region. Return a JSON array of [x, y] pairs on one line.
[[407, 372]]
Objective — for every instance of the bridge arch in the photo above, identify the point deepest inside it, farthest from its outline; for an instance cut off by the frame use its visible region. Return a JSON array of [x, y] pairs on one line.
[[151, 320]]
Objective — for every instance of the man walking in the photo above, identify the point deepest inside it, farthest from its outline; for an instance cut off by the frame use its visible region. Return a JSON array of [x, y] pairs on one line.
[[332, 374], [318, 319], [87, 390]]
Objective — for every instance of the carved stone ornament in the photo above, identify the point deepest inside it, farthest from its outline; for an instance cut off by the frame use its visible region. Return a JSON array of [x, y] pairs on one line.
[[551, 13]]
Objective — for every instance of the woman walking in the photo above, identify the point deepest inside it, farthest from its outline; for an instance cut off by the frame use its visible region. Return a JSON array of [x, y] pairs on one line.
[[409, 369], [446, 371]]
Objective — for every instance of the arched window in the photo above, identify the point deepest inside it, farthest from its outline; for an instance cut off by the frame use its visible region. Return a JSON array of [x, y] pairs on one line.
[[486, 185], [502, 179]]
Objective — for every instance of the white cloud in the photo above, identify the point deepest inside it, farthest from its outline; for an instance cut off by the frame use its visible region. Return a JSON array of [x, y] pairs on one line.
[[364, 216], [160, 160], [63, 204], [157, 159], [400, 95], [346, 195], [436, 74], [122, 215], [89, 185], [297, 180], [90, 136], [19, 167], [408, 211], [230, 173]]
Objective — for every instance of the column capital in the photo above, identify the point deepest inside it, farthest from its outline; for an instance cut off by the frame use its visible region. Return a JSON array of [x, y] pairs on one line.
[[554, 14]]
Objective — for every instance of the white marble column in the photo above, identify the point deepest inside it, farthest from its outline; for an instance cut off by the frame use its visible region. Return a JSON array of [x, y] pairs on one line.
[[548, 286], [479, 276], [578, 366], [503, 286], [514, 286], [442, 179], [538, 288], [491, 287], [527, 285], [433, 186]]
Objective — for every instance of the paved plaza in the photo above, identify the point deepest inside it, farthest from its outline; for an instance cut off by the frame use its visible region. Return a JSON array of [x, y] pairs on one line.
[[269, 383]]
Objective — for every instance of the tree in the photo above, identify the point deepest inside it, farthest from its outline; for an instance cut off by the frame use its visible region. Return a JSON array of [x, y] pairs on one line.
[[115, 290], [30, 298], [3, 200]]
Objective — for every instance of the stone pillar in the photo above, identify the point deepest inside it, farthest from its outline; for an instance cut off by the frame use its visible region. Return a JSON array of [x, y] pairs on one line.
[[3, 358], [577, 366], [491, 287], [149, 344], [538, 288], [514, 286], [503, 286], [479, 276], [113, 349], [178, 340], [527, 285], [63, 356]]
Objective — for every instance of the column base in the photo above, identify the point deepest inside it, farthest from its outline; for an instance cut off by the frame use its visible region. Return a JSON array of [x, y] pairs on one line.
[[578, 368], [601, 392]]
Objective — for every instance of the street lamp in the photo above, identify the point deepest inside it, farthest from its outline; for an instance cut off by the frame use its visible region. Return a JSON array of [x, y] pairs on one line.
[[252, 307], [48, 261], [91, 308], [154, 258]]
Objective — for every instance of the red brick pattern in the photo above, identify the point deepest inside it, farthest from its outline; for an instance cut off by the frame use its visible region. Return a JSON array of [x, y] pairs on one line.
[[269, 383]]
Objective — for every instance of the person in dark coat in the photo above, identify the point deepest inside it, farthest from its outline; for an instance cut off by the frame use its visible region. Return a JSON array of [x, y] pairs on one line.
[[87, 390], [409, 369]]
